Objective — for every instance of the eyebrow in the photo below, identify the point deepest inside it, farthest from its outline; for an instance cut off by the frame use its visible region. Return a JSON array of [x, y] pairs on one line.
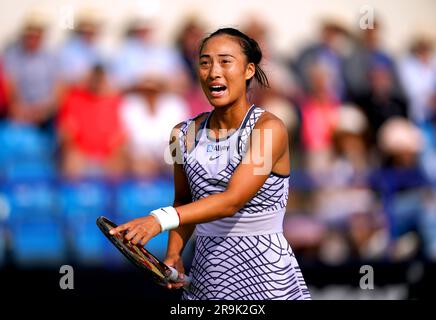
[[220, 55]]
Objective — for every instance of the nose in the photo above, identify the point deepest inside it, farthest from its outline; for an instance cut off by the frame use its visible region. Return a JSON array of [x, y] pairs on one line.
[[215, 71]]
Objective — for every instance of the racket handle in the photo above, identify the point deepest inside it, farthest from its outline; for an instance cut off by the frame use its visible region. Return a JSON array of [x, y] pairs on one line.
[[175, 276]]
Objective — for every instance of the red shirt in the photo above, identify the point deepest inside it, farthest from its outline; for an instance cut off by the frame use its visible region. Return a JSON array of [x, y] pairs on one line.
[[92, 122], [319, 122], [3, 96]]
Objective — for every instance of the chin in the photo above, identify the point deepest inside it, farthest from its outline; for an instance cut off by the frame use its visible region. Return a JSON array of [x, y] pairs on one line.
[[216, 103], [221, 103]]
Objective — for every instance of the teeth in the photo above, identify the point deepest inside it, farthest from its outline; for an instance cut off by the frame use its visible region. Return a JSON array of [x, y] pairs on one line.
[[217, 87]]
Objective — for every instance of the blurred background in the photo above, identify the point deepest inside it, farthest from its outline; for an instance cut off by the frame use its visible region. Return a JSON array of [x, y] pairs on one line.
[[89, 91]]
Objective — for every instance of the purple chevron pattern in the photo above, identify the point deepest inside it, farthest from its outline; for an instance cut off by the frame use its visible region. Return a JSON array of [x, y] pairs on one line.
[[252, 267]]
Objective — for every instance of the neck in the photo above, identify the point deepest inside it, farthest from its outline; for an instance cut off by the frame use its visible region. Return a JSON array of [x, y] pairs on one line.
[[229, 117], [322, 96], [152, 102]]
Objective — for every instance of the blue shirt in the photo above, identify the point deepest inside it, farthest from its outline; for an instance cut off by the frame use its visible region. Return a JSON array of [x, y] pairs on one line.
[[34, 73], [77, 57], [137, 59]]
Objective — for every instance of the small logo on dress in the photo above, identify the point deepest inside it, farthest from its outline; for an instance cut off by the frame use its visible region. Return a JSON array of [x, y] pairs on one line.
[[210, 148], [212, 158]]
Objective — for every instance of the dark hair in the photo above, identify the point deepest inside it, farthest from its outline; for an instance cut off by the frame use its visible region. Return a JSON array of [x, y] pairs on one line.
[[250, 48]]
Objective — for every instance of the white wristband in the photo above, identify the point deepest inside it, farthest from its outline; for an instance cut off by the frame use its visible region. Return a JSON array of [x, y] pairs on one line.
[[167, 217]]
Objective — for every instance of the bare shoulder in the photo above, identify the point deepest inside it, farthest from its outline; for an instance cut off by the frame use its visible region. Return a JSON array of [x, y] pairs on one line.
[[176, 131], [196, 120], [190, 131], [270, 121], [179, 126]]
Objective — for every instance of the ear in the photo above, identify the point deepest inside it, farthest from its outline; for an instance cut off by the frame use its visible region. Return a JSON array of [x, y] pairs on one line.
[[250, 71]]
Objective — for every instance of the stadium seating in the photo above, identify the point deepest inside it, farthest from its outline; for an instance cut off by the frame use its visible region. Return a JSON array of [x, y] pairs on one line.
[[31, 199], [137, 198], [2, 244], [88, 245], [82, 202], [427, 226], [38, 242], [26, 152], [4, 214], [29, 169], [53, 221], [84, 199]]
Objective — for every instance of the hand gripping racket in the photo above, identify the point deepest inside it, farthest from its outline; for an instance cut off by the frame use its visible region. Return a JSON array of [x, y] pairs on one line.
[[141, 257]]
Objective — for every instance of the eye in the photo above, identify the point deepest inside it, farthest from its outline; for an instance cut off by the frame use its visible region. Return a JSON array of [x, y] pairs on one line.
[[225, 61], [204, 63]]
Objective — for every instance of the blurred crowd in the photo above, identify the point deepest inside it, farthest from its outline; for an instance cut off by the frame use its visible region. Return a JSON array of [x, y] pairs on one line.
[[362, 122]]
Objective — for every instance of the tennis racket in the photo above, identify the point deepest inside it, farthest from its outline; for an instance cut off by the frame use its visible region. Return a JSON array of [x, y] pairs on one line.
[[141, 257]]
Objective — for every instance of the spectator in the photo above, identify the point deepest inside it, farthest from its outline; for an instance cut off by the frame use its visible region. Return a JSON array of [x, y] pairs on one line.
[[283, 92], [278, 99], [418, 74], [330, 51], [81, 51], [140, 54], [428, 155], [148, 114], [405, 190], [90, 131], [319, 117], [366, 51], [31, 75], [187, 43], [352, 160], [3, 93], [381, 102], [258, 29], [283, 82], [346, 204]]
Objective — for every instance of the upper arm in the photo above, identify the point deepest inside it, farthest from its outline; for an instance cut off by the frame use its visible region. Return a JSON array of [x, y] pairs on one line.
[[182, 194], [181, 185], [268, 144]]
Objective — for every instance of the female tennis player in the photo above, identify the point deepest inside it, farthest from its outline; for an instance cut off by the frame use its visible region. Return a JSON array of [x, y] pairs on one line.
[[231, 173]]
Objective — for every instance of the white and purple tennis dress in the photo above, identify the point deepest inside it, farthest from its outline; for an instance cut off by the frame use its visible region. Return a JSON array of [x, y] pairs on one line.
[[246, 256]]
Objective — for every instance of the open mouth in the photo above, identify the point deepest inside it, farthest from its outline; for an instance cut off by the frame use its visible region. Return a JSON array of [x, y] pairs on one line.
[[217, 91]]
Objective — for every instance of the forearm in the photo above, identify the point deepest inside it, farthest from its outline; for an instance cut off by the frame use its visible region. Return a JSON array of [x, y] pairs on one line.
[[207, 209], [210, 208], [178, 238], [213, 207]]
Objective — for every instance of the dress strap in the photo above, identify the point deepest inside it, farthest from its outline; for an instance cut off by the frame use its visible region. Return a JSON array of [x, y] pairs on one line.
[[184, 131], [247, 127]]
